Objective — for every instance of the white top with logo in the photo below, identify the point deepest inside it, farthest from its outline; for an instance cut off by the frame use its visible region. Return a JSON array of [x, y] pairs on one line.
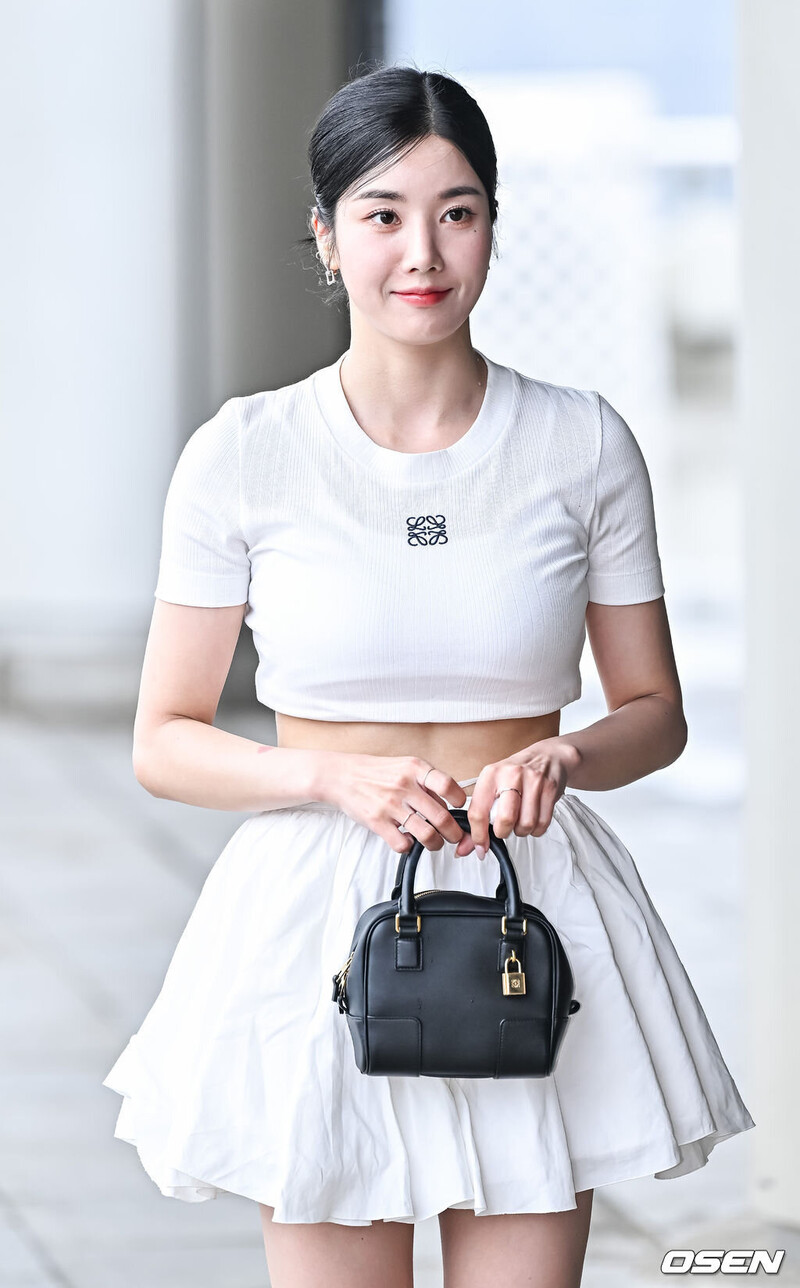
[[413, 586]]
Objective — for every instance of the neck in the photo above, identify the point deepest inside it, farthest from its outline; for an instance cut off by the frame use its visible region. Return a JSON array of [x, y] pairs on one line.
[[412, 397]]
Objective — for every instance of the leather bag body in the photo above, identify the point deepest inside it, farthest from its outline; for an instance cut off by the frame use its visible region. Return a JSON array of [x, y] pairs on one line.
[[451, 984]]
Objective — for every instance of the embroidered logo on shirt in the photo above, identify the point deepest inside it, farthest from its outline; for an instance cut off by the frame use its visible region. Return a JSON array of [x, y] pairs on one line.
[[426, 530]]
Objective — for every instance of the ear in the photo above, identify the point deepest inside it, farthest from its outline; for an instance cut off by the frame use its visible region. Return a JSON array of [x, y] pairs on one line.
[[322, 233]]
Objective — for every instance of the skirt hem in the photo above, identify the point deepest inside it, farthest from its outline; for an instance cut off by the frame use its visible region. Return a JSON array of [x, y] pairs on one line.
[[662, 1161]]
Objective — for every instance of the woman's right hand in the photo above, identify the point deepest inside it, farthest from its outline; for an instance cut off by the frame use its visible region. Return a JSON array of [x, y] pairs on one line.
[[382, 791]]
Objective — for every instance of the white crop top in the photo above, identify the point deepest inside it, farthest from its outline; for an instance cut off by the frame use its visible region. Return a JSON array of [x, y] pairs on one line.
[[412, 586]]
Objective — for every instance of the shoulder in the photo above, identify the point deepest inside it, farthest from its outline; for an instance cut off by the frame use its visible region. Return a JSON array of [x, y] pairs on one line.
[[564, 400], [558, 428], [258, 408], [211, 449], [576, 414], [556, 409]]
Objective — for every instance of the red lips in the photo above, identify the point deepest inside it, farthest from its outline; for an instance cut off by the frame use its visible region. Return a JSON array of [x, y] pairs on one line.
[[424, 297]]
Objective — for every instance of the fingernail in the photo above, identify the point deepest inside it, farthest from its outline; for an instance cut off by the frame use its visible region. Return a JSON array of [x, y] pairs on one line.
[[480, 850]]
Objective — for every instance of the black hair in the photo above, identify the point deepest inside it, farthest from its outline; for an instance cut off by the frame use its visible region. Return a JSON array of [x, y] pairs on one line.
[[380, 116]]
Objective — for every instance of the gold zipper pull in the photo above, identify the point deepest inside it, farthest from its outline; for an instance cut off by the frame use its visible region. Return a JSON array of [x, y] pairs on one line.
[[339, 980]]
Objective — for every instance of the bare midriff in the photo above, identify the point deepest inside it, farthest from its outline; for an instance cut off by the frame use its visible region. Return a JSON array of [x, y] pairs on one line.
[[461, 750]]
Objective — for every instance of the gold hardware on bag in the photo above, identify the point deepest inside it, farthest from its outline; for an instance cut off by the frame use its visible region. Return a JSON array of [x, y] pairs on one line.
[[339, 981], [513, 983], [503, 925], [341, 975], [397, 922]]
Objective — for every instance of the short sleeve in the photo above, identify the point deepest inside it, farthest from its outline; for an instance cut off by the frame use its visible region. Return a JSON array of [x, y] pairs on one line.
[[204, 557], [624, 563]]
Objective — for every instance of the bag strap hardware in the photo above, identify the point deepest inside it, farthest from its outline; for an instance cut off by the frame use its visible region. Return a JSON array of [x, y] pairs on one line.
[[397, 923]]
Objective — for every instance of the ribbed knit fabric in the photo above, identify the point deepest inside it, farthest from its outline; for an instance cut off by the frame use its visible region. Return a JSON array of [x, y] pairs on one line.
[[395, 586]]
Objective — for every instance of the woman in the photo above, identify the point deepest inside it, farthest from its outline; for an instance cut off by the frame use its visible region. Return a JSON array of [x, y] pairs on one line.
[[419, 538]]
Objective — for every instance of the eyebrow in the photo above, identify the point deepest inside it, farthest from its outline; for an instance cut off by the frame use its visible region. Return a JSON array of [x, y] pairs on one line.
[[382, 194]]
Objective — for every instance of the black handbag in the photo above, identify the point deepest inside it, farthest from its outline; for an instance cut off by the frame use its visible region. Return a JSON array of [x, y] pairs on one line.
[[449, 984]]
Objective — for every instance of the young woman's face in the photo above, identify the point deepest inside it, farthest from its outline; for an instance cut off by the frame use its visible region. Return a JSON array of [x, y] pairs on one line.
[[421, 225]]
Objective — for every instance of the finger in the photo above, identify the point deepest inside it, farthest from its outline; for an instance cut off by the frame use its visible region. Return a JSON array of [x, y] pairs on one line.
[[530, 809], [466, 845], [504, 813], [547, 800], [441, 818], [442, 786], [438, 815], [423, 828], [400, 842], [405, 837], [478, 814], [445, 798]]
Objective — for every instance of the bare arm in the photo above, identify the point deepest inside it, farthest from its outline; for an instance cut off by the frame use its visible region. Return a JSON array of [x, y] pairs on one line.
[[178, 753], [645, 729]]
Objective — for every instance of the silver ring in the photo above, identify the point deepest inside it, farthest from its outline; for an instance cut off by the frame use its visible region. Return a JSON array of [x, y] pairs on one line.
[[430, 771], [509, 789], [401, 826]]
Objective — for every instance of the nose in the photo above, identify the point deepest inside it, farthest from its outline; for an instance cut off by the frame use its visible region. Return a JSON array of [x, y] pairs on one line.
[[421, 251]]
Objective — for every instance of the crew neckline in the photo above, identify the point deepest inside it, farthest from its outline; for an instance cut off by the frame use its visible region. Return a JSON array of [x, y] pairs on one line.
[[486, 428]]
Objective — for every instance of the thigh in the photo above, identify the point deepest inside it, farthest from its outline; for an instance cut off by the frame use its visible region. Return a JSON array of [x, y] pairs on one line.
[[338, 1256], [543, 1249]]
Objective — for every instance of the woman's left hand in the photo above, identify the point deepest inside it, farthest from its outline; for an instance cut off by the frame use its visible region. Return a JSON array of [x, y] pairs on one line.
[[539, 773]]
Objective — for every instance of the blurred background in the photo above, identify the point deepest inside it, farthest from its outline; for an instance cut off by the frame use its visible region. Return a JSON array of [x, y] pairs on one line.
[[155, 185]]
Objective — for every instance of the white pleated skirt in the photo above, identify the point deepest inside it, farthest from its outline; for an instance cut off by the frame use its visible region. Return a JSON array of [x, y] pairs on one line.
[[242, 1076]]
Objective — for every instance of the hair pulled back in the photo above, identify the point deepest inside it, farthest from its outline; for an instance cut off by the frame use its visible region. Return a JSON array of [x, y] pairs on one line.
[[378, 117]]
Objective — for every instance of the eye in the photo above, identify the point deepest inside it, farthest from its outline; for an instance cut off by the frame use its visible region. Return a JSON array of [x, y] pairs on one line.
[[380, 212], [460, 210]]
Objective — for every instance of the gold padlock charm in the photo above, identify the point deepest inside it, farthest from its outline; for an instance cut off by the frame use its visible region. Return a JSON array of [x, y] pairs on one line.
[[513, 983]]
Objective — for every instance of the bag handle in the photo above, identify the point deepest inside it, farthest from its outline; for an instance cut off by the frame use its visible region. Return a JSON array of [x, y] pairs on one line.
[[407, 869]]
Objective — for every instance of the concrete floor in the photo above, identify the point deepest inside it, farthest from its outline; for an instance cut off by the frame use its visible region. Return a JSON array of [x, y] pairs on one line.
[[97, 880]]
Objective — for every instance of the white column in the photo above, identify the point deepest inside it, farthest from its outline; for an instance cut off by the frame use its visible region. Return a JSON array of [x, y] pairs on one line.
[[89, 134], [153, 180], [769, 105]]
